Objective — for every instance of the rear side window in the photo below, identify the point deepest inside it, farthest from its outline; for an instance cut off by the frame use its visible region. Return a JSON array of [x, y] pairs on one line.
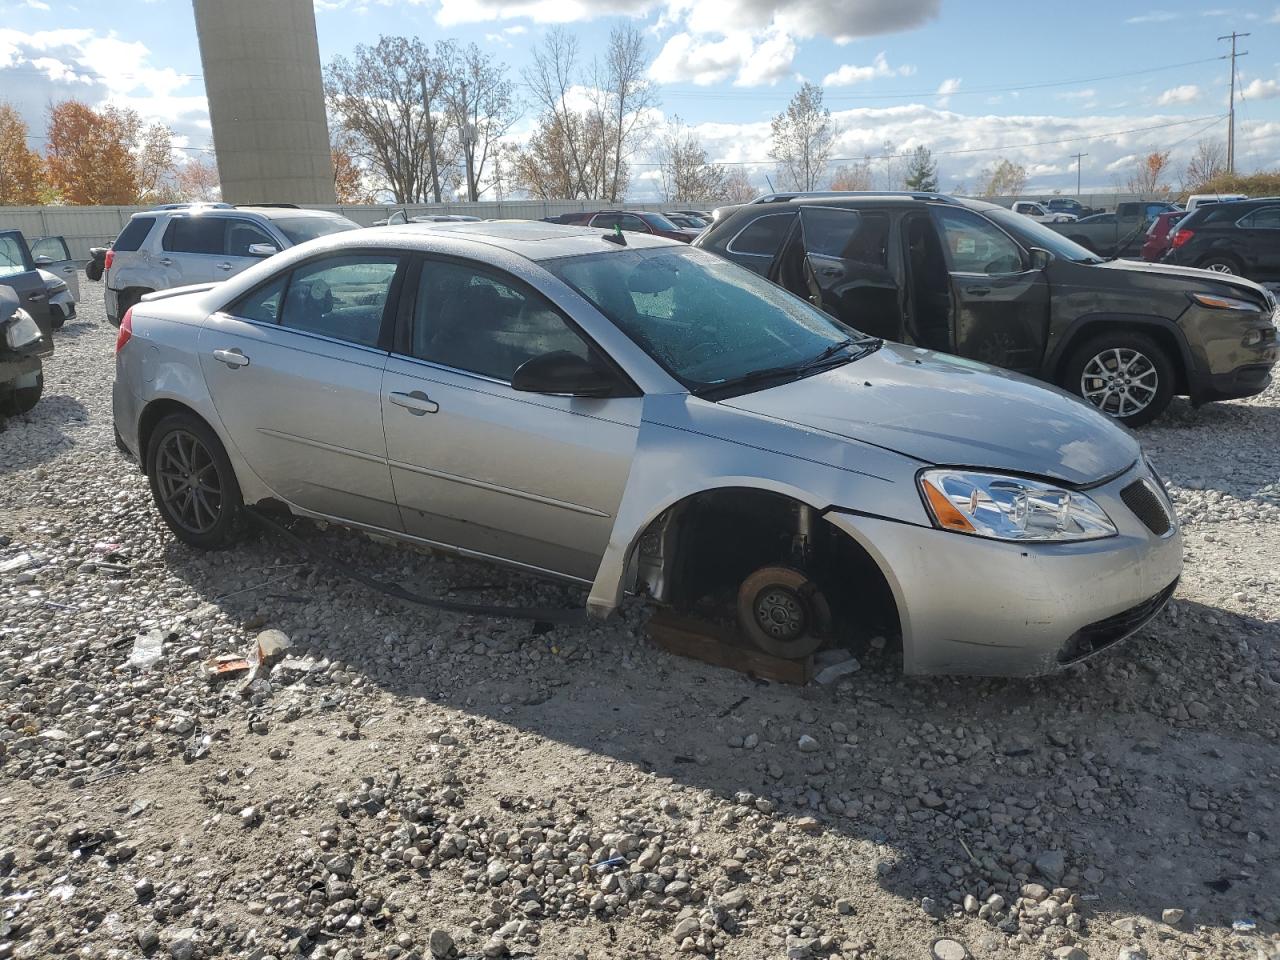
[[340, 297], [195, 235], [847, 235], [134, 233], [763, 236], [263, 304], [1268, 218]]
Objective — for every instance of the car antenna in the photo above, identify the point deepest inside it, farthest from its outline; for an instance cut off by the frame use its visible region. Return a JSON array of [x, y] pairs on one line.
[[616, 236]]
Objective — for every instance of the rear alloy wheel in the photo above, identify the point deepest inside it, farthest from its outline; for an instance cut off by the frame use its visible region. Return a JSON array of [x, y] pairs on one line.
[[193, 483], [1125, 375], [783, 612], [1219, 265]]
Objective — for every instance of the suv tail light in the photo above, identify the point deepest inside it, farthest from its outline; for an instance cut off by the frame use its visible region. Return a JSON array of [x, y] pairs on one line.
[[1181, 237], [108, 259], [126, 330]]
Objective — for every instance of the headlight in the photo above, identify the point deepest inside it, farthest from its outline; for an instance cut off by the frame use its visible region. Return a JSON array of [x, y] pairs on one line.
[[1216, 302], [1010, 508], [22, 331]]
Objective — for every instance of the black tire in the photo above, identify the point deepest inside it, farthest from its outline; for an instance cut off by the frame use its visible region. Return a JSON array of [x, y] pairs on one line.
[[1220, 263], [783, 612], [193, 483], [93, 269], [127, 300], [1096, 371], [56, 319], [15, 401]]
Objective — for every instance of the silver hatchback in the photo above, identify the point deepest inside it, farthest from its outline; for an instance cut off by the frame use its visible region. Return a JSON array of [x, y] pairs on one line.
[[634, 415]]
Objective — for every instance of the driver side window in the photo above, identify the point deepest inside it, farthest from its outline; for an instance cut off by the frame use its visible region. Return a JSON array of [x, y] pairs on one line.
[[975, 245], [473, 320]]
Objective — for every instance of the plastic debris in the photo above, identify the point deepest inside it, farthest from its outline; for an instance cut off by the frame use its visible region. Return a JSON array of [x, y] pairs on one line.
[[17, 564], [1243, 926], [147, 650], [611, 863], [223, 667], [834, 664]]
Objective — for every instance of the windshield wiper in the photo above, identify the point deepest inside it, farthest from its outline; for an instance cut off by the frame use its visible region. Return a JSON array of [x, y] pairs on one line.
[[796, 370]]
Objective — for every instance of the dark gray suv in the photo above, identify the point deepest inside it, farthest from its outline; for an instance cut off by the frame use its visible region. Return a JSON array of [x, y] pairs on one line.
[[978, 280]]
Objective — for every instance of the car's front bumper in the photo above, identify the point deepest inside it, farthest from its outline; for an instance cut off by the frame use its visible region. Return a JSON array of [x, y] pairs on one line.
[[969, 605], [1234, 352]]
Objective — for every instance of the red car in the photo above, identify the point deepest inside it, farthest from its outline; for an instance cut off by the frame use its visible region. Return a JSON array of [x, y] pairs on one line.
[[1160, 234], [635, 221]]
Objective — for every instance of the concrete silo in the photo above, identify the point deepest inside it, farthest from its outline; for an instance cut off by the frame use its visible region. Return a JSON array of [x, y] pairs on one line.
[[266, 101]]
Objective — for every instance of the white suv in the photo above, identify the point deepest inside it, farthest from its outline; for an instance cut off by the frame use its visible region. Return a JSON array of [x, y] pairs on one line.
[[196, 243]]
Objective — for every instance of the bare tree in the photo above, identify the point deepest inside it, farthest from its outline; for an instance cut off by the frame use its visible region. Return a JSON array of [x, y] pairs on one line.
[[803, 137], [591, 118], [1005, 179], [389, 98], [738, 187], [688, 175], [481, 106], [892, 165], [628, 97], [1207, 163], [1147, 178], [852, 176]]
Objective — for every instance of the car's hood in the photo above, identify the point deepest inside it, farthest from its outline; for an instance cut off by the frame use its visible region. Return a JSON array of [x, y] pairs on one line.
[[942, 409], [1193, 275]]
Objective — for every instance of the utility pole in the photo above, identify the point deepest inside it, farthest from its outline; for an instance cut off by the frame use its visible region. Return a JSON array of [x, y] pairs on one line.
[[1076, 157], [1231, 109]]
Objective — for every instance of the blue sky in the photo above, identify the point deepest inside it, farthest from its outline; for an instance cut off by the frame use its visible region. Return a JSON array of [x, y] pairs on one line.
[[973, 81]]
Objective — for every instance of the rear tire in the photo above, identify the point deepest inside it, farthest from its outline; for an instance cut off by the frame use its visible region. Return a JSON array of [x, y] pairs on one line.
[[1220, 263], [1126, 374], [127, 300], [193, 483]]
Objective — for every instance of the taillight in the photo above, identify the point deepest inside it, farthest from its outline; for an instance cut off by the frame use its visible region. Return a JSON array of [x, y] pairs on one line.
[[108, 259], [1181, 237], [126, 330]]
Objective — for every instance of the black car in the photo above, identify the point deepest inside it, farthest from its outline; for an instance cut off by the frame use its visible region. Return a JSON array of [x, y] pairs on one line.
[[978, 280], [1240, 237], [23, 342]]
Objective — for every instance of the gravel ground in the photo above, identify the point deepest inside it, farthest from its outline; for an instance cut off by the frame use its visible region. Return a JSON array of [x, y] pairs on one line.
[[411, 784]]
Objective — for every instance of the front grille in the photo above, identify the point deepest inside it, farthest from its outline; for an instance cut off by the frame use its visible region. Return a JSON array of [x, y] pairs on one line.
[[1147, 507], [1095, 636]]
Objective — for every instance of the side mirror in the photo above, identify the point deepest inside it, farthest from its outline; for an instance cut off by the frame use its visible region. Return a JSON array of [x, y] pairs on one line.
[[398, 218], [565, 373], [1040, 258], [43, 261], [262, 250]]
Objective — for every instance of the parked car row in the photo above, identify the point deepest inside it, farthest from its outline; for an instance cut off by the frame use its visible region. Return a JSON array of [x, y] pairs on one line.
[[632, 221]]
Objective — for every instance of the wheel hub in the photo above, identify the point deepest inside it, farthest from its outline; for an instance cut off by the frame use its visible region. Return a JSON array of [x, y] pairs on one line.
[[780, 613], [1120, 381]]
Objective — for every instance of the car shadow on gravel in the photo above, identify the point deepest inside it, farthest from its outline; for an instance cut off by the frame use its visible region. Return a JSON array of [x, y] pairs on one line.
[[40, 435], [1144, 767]]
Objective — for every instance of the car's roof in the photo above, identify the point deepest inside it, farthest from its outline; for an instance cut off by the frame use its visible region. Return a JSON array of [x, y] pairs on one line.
[[531, 239], [226, 210]]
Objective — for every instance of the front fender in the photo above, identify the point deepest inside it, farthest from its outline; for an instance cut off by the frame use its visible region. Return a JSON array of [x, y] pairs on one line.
[[679, 454]]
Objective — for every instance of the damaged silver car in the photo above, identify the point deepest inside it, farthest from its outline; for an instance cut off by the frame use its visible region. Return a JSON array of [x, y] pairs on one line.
[[633, 415]]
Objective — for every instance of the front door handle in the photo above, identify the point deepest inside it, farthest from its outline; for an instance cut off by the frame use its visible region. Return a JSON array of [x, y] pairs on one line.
[[35, 297], [224, 266], [232, 358], [417, 402], [977, 291]]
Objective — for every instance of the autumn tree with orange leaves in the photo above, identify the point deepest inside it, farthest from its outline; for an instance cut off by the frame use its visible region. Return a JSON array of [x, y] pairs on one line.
[[107, 155], [1148, 179], [348, 179], [21, 168]]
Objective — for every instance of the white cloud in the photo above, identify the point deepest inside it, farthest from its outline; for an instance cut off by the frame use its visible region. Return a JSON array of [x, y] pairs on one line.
[[1154, 16], [946, 88], [850, 73], [1186, 93], [454, 12], [1260, 89], [703, 61], [47, 66]]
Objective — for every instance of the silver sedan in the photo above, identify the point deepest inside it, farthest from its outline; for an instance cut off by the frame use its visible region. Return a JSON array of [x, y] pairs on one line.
[[633, 415]]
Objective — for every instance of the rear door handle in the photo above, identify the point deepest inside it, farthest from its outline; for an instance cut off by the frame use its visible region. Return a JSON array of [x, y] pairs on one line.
[[224, 266], [417, 402], [232, 358], [977, 291], [34, 297], [166, 262]]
